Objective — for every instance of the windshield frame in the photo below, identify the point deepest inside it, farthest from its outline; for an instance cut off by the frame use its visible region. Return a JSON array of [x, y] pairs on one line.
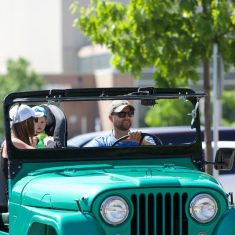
[[146, 95]]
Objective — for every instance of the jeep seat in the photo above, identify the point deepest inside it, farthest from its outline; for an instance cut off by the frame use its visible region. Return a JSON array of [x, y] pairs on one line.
[[56, 124]]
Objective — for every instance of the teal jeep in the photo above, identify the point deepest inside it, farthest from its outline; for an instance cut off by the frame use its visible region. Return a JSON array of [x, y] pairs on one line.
[[158, 189]]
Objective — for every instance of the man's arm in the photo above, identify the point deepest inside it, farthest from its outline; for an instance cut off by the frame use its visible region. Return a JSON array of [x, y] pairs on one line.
[[146, 142], [136, 137], [96, 142]]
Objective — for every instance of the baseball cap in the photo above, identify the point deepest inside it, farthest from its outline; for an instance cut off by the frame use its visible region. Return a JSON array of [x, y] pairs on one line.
[[118, 105], [20, 113], [39, 111]]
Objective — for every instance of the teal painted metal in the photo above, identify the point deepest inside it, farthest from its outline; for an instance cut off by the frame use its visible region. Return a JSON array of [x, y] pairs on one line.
[[59, 189], [62, 193], [162, 219], [226, 224]]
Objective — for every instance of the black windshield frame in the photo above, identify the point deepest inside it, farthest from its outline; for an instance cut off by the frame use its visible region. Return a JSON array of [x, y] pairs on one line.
[[145, 95]]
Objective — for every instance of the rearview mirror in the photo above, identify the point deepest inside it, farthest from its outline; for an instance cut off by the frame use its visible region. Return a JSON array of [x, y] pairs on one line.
[[224, 159]]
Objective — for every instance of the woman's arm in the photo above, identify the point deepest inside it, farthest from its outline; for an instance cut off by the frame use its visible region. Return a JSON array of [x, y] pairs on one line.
[[20, 144]]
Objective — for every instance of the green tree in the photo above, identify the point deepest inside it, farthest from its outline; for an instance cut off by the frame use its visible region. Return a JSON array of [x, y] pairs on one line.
[[174, 37], [228, 102], [159, 116], [19, 77]]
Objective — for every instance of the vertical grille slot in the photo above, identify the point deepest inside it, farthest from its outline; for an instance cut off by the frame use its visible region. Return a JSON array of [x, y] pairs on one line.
[[159, 214]]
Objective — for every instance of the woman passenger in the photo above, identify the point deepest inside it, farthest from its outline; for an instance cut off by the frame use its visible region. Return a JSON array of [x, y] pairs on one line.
[[22, 132]]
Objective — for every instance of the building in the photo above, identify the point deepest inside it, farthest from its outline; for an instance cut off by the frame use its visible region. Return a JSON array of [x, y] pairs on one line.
[[42, 33]]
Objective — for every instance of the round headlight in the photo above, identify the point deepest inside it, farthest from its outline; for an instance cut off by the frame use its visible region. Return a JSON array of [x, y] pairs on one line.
[[114, 210], [203, 208]]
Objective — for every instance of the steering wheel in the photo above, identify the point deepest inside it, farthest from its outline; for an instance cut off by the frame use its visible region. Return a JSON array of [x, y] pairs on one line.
[[156, 139]]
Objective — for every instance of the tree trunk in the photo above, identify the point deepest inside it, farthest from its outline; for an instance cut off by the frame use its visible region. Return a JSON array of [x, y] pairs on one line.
[[207, 114]]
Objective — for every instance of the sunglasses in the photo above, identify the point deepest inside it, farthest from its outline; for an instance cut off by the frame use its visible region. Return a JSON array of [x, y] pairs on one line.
[[124, 114]]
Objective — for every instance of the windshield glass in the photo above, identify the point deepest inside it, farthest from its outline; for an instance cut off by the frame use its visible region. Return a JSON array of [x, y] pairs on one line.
[[94, 124]]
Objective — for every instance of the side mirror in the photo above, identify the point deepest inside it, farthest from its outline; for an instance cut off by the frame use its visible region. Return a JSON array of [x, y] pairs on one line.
[[224, 159]]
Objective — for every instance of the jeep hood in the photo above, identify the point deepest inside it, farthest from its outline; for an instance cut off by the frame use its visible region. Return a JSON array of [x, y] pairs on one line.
[[63, 188]]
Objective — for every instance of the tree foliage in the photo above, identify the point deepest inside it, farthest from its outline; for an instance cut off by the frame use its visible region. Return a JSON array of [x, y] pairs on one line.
[[160, 115], [177, 109], [228, 102], [19, 77], [174, 37]]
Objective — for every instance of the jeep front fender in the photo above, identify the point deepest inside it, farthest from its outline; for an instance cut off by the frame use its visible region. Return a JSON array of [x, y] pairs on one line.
[[65, 223], [226, 224]]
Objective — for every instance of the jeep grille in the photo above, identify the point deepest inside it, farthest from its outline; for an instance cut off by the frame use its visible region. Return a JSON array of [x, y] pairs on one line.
[[159, 214]]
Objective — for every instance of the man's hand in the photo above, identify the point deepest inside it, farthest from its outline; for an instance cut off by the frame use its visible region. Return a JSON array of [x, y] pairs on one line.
[[134, 136]]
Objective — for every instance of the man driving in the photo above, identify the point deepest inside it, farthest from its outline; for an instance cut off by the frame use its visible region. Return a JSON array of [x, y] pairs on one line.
[[121, 114]]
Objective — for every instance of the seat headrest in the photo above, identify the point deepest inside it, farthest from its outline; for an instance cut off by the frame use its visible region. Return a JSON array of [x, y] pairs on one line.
[[56, 124]]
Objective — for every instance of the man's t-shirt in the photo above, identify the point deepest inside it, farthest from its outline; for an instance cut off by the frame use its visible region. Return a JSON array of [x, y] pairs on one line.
[[107, 140]]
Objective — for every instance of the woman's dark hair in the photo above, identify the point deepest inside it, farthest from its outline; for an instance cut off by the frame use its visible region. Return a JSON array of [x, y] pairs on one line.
[[24, 130]]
